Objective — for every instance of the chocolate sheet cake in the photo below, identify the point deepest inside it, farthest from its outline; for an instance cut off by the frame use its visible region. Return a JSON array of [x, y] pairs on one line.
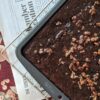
[[67, 49]]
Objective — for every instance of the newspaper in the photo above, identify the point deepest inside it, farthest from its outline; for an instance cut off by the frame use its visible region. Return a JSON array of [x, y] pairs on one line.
[[16, 16]]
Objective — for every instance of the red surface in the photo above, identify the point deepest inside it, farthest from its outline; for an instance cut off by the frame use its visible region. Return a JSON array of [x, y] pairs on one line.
[[6, 75]]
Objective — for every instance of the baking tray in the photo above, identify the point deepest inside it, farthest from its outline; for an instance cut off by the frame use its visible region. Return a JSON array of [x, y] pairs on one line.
[[44, 82]]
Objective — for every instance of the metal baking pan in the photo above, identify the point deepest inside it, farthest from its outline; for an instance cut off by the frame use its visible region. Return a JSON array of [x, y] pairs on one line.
[[45, 83]]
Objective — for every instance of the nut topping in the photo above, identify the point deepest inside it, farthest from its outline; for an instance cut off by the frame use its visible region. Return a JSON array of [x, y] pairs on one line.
[[98, 24], [92, 10]]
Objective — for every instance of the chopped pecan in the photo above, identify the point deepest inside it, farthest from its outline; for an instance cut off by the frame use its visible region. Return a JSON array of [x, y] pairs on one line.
[[58, 23], [67, 53], [73, 75], [98, 24], [98, 52], [92, 11], [99, 61], [87, 33]]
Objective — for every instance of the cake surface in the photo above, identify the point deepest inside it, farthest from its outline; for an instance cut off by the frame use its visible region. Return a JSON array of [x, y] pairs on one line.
[[67, 49]]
